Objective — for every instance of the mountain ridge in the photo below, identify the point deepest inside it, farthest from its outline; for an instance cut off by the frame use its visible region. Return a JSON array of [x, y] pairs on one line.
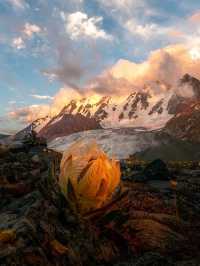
[[151, 107]]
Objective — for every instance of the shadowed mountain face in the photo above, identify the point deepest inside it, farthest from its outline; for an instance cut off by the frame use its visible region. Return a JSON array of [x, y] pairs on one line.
[[186, 124], [170, 148], [66, 125], [193, 82]]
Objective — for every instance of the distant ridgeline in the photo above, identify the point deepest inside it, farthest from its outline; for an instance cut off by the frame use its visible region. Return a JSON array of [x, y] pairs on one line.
[[2, 136]]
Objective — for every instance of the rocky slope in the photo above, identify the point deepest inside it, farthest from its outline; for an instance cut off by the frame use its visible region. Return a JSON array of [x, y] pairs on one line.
[[194, 84], [66, 125], [36, 126], [147, 224], [186, 124]]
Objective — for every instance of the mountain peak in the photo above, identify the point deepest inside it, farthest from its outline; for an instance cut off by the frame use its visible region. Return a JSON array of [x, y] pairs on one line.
[[193, 82], [187, 78]]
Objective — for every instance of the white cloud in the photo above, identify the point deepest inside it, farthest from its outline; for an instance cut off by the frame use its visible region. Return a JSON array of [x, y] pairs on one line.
[[121, 10], [78, 24], [12, 102], [145, 31], [19, 4], [122, 5], [195, 53], [51, 76], [41, 97], [28, 32], [18, 43], [30, 29]]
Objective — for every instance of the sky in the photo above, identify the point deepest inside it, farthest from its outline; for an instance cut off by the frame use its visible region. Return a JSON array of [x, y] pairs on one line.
[[54, 50]]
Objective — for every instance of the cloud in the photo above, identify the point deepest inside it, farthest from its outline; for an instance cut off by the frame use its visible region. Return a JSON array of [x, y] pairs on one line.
[[122, 6], [145, 31], [8, 126], [30, 113], [51, 76], [62, 97], [18, 4], [68, 72], [79, 25], [173, 33], [107, 84], [41, 97], [123, 10], [195, 17], [195, 53], [167, 65], [31, 29], [18, 43], [12, 102], [28, 31], [71, 66]]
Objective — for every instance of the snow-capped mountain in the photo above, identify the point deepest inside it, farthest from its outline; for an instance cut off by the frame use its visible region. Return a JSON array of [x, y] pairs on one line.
[[36, 125], [150, 107], [139, 109], [142, 108]]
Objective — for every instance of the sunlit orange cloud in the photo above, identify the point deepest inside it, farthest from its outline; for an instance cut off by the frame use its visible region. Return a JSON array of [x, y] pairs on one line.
[[195, 17], [30, 113], [167, 65], [176, 34]]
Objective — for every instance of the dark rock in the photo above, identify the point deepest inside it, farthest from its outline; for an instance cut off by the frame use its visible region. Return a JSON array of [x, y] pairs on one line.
[[153, 259], [148, 259], [157, 170], [139, 177], [35, 172], [153, 235], [3, 151], [16, 147], [22, 156]]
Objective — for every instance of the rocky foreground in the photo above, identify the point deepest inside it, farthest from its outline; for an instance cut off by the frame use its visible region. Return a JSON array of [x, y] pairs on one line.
[[153, 221]]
